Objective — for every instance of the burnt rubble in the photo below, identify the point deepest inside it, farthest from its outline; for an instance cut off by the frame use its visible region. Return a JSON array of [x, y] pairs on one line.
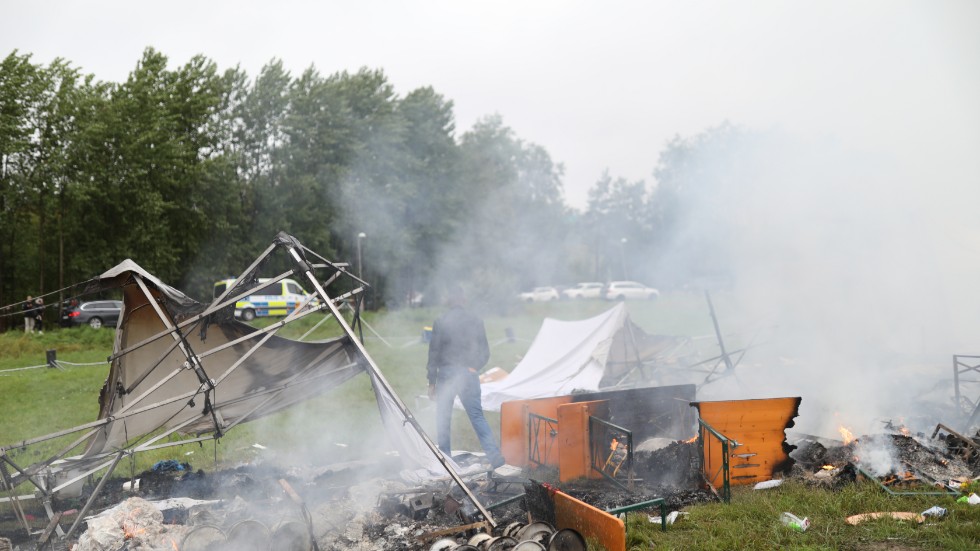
[[897, 461], [364, 507]]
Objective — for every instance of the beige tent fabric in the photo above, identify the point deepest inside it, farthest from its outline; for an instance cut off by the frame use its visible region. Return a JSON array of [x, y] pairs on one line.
[[278, 374]]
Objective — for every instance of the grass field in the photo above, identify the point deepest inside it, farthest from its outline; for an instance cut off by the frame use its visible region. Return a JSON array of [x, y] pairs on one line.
[[340, 426]]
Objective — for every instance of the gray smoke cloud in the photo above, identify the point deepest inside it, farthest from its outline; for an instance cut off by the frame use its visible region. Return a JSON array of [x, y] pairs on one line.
[[847, 259]]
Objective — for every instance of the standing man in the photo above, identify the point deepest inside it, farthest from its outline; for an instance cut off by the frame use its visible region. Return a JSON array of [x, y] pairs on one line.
[[28, 308], [39, 315], [457, 352]]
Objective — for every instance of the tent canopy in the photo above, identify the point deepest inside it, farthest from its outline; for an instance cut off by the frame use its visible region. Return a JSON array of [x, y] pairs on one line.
[[584, 355]]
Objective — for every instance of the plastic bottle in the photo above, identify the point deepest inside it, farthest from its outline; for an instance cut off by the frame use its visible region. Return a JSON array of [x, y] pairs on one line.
[[936, 511], [795, 522]]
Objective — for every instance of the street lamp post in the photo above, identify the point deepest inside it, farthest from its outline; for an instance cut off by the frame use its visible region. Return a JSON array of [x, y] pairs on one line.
[[622, 252], [360, 236]]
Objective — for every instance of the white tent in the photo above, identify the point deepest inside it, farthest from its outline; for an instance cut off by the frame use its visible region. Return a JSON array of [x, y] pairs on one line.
[[584, 355]]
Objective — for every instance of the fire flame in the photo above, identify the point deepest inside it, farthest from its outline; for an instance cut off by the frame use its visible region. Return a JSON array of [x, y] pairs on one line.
[[614, 444], [828, 467], [905, 431], [174, 545], [128, 525], [691, 439], [846, 434]]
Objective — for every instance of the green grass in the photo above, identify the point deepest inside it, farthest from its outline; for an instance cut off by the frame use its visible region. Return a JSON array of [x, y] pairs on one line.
[[751, 521]]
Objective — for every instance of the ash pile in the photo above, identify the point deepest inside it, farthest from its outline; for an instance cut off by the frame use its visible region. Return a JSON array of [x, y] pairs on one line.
[[362, 506], [671, 472]]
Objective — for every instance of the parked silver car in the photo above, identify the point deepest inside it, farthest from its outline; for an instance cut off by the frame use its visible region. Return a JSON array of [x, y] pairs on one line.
[[95, 314], [540, 294], [588, 289], [621, 290]]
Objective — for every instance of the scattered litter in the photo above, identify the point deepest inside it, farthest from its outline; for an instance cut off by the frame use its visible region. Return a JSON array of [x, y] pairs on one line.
[[340, 444], [671, 517], [131, 485], [768, 484], [259, 446], [935, 511], [972, 499], [795, 522], [189, 453], [854, 520]]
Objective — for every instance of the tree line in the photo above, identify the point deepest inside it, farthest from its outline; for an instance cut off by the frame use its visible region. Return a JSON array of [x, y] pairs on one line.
[[191, 171]]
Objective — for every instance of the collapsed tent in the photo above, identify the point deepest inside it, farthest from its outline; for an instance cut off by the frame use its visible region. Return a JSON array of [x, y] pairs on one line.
[[157, 383], [186, 368], [568, 356]]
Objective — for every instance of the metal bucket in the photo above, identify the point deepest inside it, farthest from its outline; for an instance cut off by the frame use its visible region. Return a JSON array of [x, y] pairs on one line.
[[291, 535], [249, 535], [479, 539], [202, 538], [502, 543], [539, 531], [510, 531], [444, 544], [567, 539]]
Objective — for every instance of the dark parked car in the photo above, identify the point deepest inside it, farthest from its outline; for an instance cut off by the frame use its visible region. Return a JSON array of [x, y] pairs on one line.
[[95, 314]]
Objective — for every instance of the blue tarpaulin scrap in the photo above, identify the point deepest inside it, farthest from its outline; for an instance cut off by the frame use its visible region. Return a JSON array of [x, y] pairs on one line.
[[167, 465]]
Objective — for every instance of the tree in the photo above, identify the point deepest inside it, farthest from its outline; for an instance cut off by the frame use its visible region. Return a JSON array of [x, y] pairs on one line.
[[21, 92], [515, 217], [616, 220], [690, 212]]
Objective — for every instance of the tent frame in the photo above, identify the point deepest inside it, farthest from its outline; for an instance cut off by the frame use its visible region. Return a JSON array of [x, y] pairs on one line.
[[110, 459]]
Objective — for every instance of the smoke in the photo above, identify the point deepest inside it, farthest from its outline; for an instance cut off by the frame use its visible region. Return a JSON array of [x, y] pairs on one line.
[[878, 455], [846, 260]]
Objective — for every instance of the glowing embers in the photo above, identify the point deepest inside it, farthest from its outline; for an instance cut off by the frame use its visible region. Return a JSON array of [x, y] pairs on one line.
[[906, 478]]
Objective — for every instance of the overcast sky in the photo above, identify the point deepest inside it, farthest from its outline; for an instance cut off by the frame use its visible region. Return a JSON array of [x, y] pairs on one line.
[[601, 85]]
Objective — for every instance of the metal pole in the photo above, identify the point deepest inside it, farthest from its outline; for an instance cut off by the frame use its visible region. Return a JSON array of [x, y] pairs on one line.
[[360, 236], [622, 252], [721, 343], [95, 494], [376, 374]]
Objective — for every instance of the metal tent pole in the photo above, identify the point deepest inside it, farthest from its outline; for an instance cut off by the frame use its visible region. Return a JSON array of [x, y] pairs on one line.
[[292, 245]]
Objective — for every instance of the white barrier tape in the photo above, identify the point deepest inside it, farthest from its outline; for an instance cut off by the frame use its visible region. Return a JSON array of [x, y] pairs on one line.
[[22, 368]]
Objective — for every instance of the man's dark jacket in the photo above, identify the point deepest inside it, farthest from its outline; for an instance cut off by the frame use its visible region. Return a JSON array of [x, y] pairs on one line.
[[459, 342]]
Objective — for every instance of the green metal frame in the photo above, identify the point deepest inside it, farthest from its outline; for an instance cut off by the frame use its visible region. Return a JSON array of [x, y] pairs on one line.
[[597, 448], [507, 501], [726, 475], [869, 476], [644, 505], [535, 423]]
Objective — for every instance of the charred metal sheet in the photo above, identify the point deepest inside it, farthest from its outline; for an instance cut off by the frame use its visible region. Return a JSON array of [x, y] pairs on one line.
[[652, 412]]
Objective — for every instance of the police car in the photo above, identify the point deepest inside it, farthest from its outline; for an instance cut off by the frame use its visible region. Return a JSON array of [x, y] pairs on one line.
[[275, 299]]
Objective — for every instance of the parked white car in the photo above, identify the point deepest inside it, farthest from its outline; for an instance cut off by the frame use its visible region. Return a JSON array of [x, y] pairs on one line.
[[540, 294], [621, 290], [588, 289]]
